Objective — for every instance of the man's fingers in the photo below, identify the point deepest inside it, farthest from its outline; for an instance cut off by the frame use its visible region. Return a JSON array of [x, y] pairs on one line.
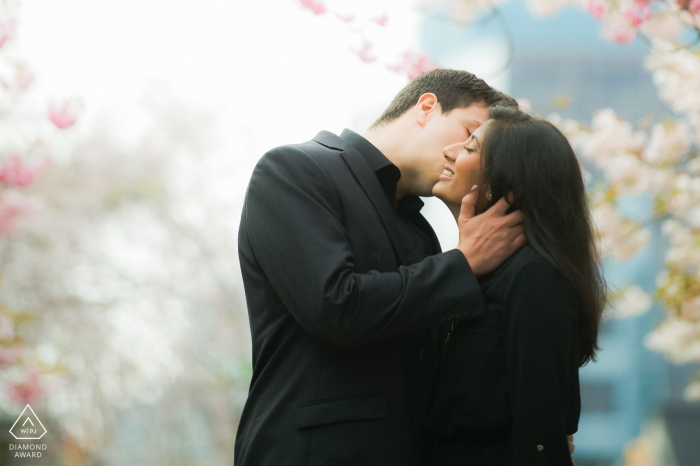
[[516, 231], [468, 208], [500, 207], [570, 440], [514, 218], [520, 241]]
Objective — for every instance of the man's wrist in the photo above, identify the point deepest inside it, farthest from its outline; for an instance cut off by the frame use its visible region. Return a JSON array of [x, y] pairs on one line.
[[474, 265]]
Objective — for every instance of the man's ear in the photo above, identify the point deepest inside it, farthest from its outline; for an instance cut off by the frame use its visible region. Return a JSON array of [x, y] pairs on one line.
[[426, 107]]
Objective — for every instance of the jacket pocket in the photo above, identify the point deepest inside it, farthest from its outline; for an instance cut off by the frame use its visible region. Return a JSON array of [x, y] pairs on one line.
[[317, 413]]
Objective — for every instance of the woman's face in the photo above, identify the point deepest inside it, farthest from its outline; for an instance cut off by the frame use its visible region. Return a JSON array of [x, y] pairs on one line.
[[463, 170]]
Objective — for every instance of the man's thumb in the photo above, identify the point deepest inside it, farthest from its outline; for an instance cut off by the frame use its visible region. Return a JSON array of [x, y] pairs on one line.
[[468, 208]]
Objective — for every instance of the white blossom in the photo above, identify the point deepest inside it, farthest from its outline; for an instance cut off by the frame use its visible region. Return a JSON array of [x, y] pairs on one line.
[[633, 302]]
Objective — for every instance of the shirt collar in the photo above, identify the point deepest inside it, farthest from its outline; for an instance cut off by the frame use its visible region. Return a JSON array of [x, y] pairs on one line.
[[374, 156]]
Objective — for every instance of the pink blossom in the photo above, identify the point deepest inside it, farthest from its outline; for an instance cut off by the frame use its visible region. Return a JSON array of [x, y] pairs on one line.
[[598, 8], [7, 30], [28, 391], [414, 64], [694, 7], [15, 173], [381, 20], [316, 6], [63, 116], [7, 331], [637, 15], [10, 355], [623, 36], [364, 54], [345, 17], [12, 205], [24, 78]]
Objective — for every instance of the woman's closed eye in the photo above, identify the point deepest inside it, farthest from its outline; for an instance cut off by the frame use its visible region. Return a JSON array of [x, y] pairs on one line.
[[468, 149]]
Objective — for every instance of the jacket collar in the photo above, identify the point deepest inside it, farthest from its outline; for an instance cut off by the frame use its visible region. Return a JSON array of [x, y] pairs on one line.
[[369, 182], [330, 140]]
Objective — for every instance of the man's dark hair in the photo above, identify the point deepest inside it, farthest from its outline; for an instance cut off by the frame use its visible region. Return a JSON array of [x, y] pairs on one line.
[[453, 89], [532, 159]]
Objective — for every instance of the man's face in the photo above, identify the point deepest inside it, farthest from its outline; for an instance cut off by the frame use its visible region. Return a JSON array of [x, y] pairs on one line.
[[442, 130]]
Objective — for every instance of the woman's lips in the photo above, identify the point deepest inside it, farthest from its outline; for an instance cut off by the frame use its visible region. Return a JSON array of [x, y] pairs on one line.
[[447, 174]]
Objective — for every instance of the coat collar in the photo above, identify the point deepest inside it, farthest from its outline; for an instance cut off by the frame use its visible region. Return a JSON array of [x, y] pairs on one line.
[[330, 140], [370, 184]]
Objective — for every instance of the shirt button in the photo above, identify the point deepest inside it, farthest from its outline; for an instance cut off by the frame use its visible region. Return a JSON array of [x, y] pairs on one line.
[[423, 354], [540, 447]]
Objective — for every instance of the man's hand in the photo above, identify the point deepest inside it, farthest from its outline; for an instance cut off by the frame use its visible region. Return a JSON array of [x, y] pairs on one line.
[[572, 447], [488, 239]]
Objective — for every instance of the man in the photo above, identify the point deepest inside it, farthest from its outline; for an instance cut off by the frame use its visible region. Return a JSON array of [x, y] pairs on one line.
[[343, 278]]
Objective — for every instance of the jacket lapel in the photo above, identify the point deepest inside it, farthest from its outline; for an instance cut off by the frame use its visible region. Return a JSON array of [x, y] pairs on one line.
[[370, 184]]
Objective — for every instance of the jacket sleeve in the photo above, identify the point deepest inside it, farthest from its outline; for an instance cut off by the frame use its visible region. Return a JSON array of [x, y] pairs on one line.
[[539, 321], [293, 221]]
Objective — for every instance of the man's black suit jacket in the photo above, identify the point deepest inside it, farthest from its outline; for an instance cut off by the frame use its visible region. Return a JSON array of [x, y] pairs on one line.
[[341, 366]]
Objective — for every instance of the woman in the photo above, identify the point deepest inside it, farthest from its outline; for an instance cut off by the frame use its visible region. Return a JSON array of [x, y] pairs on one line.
[[507, 392]]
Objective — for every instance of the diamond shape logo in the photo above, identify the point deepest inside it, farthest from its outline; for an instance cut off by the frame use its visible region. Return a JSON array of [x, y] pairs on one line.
[[28, 426]]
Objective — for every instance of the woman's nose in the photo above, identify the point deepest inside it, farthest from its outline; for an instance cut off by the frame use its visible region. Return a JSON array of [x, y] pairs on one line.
[[449, 156]]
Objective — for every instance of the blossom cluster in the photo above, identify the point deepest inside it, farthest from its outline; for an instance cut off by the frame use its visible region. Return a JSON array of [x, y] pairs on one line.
[[363, 23], [660, 163], [24, 157]]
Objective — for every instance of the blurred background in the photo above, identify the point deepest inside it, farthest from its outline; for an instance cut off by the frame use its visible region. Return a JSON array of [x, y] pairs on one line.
[[128, 132]]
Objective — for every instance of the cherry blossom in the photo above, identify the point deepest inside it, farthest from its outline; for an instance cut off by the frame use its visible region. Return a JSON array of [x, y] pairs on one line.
[[623, 35], [29, 390], [63, 116], [668, 142], [347, 18], [598, 8], [692, 391], [364, 54], [381, 20], [16, 173], [7, 330], [694, 7], [637, 15], [10, 356], [7, 30], [12, 206], [632, 302], [414, 63], [678, 339], [315, 6]]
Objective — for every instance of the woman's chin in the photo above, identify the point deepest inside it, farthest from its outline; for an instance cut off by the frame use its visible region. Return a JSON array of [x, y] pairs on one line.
[[438, 190], [441, 191]]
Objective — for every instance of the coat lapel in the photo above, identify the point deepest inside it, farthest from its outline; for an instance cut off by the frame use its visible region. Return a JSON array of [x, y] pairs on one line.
[[370, 184]]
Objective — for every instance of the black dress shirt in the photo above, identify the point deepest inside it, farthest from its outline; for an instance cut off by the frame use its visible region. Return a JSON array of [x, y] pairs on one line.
[[415, 239], [507, 391]]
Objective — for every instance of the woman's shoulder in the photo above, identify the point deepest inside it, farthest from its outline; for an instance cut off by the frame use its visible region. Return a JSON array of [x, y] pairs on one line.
[[524, 259], [530, 269]]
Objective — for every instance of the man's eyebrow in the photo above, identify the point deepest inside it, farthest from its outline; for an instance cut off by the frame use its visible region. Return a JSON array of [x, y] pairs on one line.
[[468, 123], [477, 141]]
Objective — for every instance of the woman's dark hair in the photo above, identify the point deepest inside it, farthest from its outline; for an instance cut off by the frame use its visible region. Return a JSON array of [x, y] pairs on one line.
[[531, 158]]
